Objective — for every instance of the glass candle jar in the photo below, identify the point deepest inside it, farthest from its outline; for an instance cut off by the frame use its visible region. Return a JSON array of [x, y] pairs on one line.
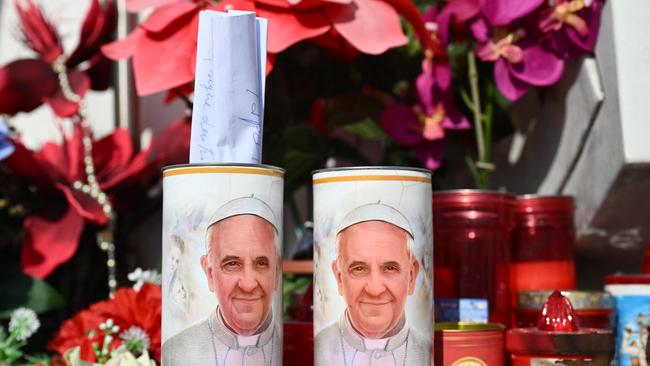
[[543, 244], [472, 231]]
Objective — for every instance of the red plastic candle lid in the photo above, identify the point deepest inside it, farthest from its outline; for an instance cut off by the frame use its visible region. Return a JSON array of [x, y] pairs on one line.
[[557, 333], [557, 315]]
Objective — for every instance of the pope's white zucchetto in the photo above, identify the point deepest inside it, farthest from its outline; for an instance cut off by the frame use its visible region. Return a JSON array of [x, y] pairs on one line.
[[248, 205], [375, 212]]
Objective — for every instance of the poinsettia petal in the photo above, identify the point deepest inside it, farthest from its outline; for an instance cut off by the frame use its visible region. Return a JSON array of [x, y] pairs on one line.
[[28, 166], [502, 12], [399, 121], [287, 28], [85, 206], [371, 26], [123, 48], [538, 67], [38, 32], [100, 72], [430, 153], [99, 24], [63, 107], [135, 6], [510, 87], [166, 15], [24, 84], [112, 154], [171, 147], [408, 10], [154, 73], [270, 62], [51, 238]]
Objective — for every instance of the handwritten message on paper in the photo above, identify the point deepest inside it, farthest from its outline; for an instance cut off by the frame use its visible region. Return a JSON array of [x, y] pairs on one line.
[[228, 114]]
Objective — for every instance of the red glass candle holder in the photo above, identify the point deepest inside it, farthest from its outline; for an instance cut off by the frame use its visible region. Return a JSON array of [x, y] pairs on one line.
[[543, 244], [472, 248]]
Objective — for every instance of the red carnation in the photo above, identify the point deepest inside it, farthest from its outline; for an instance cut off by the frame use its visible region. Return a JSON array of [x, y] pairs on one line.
[[127, 308]]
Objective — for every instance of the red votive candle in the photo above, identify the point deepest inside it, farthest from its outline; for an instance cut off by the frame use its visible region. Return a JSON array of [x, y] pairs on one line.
[[593, 309], [472, 232], [558, 338], [543, 244]]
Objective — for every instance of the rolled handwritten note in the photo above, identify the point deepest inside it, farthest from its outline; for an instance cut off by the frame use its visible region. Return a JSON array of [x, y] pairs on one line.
[[228, 113]]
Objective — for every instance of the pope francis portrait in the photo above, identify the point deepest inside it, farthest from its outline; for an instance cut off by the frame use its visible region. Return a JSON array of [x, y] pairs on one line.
[[375, 270], [242, 265]]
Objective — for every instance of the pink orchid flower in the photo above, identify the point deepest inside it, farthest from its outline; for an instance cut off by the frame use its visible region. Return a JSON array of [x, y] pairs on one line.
[[423, 125], [572, 24], [519, 61]]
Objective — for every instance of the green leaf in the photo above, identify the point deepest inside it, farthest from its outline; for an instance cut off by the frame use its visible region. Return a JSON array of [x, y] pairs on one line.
[[299, 165], [19, 289], [366, 129]]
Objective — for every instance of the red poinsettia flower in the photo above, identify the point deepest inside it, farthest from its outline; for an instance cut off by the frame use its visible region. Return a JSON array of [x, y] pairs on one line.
[[368, 26], [52, 233], [27, 83], [127, 308]]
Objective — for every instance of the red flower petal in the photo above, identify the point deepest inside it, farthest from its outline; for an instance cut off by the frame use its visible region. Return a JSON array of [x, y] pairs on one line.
[[167, 15], [39, 33], [96, 29], [287, 28], [112, 154], [51, 238], [137, 5], [26, 165], [85, 206], [411, 13], [154, 73], [100, 72], [24, 84], [172, 146], [124, 48], [127, 308], [73, 158], [270, 62], [60, 105], [371, 26]]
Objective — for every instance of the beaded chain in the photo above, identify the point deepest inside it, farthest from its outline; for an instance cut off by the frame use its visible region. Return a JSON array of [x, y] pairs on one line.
[[91, 186]]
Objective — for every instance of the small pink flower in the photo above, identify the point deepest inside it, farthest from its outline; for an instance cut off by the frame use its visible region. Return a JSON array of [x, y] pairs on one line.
[[519, 61], [572, 24]]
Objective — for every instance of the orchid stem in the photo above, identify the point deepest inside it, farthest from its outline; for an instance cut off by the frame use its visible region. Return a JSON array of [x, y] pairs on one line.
[[482, 178]]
